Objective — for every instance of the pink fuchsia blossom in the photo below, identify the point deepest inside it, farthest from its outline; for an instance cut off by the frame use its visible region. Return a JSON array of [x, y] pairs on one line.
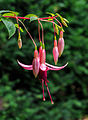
[[43, 74]]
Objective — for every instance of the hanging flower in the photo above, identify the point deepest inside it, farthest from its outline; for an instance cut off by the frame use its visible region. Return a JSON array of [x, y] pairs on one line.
[[44, 67]]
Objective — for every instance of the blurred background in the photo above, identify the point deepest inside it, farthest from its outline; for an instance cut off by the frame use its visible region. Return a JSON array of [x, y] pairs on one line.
[[20, 92]]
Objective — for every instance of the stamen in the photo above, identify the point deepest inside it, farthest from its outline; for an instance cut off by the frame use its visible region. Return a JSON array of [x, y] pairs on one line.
[[49, 93], [43, 89]]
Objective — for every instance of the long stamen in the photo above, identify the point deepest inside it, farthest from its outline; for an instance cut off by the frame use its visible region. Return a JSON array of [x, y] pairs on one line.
[[43, 89], [49, 93]]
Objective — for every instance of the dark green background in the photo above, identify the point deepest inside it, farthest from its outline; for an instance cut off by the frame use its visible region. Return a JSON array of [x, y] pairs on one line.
[[20, 92]]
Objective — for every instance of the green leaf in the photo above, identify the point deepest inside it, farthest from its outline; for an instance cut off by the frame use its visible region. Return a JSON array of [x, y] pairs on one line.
[[15, 13], [3, 11], [64, 23], [8, 14], [16, 25], [10, 26], [32, 17], [65, 20], [50, 14]]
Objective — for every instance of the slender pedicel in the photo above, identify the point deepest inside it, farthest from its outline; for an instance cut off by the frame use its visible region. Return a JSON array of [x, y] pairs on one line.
[[27, 32], [43, 89]]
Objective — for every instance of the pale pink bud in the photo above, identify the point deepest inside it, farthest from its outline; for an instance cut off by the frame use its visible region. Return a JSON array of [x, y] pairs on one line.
[[43, 56], [55, 52], [61, 44], [36, 63]]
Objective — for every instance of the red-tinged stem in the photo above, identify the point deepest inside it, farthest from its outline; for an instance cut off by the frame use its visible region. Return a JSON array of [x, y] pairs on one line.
[[58, 21], [17, 17], [18, 25], [43, 89], [49, 93], [49, 21], [42, 32], [39, 30], [29, 18], [27, 32], [54, 29], [47, 18]]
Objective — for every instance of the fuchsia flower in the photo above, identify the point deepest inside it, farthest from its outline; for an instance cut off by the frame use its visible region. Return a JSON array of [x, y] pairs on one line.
[[43, 68]]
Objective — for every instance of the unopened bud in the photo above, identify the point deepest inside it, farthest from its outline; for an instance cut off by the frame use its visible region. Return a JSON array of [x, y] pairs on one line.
[[60, 46], [43, 56], [36, 63], [55, 52], [19, 41]]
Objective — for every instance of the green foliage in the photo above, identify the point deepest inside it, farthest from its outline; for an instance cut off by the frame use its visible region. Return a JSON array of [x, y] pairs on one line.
[[10, 26], [20, 92], [32, 17]]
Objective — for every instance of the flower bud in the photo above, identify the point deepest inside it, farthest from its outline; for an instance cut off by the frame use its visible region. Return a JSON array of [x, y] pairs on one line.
[[55, 52], [36, 63], [43, 56], [61, 43], [19, 41]]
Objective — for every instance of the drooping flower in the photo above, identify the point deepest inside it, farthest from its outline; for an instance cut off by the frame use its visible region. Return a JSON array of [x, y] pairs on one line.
[[61, 44], [43, 68]]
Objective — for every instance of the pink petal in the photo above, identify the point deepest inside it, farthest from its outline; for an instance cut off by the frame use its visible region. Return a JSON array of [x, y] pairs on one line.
[[51, 67], [27, 67]]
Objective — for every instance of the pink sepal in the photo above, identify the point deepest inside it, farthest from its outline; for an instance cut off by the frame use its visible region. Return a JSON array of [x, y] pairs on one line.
[[27, 67], [52, 67]]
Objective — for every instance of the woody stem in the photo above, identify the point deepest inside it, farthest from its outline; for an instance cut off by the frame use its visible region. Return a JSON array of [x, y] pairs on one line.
[[27, 32]]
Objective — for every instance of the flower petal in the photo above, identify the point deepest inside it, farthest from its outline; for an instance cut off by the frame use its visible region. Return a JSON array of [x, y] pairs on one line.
[[27, 67], [52, 67]]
